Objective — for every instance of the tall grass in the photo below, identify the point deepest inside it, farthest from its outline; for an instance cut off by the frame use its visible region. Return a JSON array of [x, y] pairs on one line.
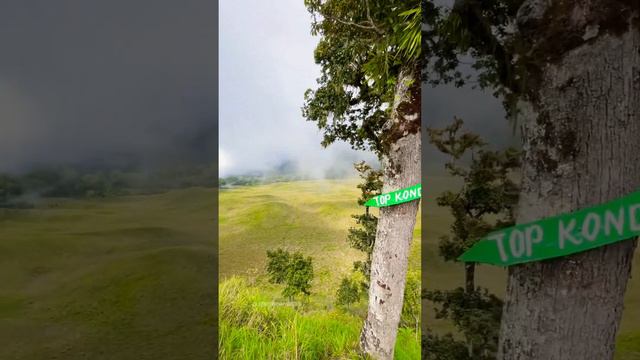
[[252, 326]]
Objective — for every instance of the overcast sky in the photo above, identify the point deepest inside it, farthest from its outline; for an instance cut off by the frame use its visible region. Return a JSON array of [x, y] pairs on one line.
[[266, 64], [107, 81], [134, 81]]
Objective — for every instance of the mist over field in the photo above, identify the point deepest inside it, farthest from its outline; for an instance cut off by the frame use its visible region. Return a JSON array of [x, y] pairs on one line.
[[266, 65]]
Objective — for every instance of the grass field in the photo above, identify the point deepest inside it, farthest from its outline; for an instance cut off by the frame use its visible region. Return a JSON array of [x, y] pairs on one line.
[[127, 277], [446, 275], [307, 216], [119, 278]]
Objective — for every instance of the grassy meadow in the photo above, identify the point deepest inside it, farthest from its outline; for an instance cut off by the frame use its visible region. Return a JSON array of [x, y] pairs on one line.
[[126, 277], [447, 275], [307, 216]]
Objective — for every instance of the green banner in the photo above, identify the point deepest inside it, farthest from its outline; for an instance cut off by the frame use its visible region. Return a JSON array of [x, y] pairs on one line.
[[560, 235], [396, 197]]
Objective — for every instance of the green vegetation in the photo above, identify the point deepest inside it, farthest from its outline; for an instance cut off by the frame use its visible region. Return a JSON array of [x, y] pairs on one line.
[[363, 51], [258, 179], [116, 278], [313, 217], [307, 216], [253, 326], [484, 203], [363, 237], [26, 190], [293, 270], [440, 272], [348, 292], [412, 306]]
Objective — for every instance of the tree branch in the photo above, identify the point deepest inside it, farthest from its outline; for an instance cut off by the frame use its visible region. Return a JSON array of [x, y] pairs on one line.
[[371, 24]]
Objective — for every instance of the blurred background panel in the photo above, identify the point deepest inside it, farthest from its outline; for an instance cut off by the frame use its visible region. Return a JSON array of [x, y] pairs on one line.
[[108, 149]]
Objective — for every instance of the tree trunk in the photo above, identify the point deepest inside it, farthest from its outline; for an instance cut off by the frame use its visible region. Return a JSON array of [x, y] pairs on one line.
[[581, 144], [395, 225], [469, 277]]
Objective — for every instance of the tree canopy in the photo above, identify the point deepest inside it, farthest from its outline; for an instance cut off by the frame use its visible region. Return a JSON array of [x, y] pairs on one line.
[[508, 42], [293, 270], [363, 46]]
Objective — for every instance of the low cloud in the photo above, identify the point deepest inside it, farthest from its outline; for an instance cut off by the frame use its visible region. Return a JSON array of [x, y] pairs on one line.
[[112, 82]]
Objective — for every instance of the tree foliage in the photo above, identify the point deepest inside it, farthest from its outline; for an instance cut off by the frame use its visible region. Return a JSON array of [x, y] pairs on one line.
[[10, 187], [20, 190], [363, 236], [481, 36], [484, 203], [293, 270], [506, 44], [278, 265], [348, 292], [363, 46], [475, 315], [487, 199]]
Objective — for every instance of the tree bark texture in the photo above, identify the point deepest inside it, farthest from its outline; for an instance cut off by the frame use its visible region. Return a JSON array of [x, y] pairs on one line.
[[396, 223]]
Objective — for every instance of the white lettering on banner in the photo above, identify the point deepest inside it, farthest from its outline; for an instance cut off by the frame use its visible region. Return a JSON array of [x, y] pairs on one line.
[[530, 239], [516, 242], [610, 219], [591, 226], [565, 233], [498, 237]]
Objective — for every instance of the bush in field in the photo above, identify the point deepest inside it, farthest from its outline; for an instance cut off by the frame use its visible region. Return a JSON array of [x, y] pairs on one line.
[[9, 188], [412, 302], [277, 265], [348, 292], [293, 270]]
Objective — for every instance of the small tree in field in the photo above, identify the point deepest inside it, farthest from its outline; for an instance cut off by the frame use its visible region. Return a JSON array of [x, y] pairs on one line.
[[348, 293], [293, 270], [412, 302], [277, 265], [484, 203], [9, 188]]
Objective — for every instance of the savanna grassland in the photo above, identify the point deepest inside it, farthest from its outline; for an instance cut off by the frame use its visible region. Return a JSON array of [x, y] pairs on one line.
[[312, 217], [127, 277], [447, 275]]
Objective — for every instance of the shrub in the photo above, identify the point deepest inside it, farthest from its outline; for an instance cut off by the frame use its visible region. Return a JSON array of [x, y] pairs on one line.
[[293, 270], [348, 292]]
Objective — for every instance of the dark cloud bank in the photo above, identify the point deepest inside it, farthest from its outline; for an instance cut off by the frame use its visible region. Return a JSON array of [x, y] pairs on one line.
[[119, 82]]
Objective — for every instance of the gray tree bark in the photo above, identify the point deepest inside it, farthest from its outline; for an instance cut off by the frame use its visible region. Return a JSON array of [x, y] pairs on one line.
[[581, 145], [396, 223]]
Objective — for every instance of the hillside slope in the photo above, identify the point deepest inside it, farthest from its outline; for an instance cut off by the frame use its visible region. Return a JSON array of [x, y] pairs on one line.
[[120, 278], [310, 216]]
